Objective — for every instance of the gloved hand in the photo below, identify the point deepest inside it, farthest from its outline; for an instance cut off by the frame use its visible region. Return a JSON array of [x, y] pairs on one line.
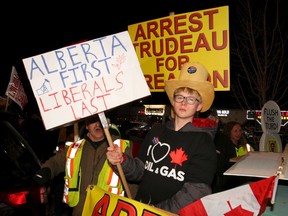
[[42, 176]]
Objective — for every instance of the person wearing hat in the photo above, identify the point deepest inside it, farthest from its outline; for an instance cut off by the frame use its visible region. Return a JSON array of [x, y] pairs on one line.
[[84, 163], [177, 162]]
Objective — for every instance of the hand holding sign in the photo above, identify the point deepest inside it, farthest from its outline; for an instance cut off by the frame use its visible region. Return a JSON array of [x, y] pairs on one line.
[[105, 125]]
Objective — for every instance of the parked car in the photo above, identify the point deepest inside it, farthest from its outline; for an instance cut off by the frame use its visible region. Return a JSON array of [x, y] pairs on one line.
[[19, 193]]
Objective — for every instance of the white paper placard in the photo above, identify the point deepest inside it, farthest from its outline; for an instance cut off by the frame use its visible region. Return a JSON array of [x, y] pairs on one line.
[[260, 164], [86, 78]]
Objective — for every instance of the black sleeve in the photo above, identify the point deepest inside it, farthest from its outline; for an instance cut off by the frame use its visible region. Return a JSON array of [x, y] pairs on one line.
[[188, 194]]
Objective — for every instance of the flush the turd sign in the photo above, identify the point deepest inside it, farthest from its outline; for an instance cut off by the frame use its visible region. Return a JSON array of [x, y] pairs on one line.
[[271, 125]]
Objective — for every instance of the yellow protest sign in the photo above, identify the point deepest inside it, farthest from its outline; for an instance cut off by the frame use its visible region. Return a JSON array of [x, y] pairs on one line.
[[100, 202], [163, 45]]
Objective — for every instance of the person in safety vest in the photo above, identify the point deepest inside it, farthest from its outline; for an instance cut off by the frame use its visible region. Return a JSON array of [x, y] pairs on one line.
[[230, 143], [84, 162]]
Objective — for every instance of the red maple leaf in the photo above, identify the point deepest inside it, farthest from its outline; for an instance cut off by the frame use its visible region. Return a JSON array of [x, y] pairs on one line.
[[238, 211], [178, 156]]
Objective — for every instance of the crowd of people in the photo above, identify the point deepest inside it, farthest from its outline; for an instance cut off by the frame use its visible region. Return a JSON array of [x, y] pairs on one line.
[[179, 162]]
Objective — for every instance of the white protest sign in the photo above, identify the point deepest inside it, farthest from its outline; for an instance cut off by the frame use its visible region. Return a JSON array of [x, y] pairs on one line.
[[271, 125], [86, 78], [271, 117]]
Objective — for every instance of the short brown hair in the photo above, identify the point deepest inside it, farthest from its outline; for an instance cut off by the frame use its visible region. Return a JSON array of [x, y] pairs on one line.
[[92, 119]]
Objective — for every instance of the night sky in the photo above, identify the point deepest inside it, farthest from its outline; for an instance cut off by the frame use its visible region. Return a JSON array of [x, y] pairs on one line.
[[32, 29]]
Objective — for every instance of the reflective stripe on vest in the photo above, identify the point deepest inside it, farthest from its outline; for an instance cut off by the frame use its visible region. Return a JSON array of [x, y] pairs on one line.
[[108, 180], [73, 172]]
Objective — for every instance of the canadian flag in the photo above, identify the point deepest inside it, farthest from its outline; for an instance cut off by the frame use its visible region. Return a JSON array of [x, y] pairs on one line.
[[250, 199]]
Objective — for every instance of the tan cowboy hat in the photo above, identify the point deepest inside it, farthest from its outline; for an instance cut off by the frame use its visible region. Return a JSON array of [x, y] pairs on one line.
[[193, 75]]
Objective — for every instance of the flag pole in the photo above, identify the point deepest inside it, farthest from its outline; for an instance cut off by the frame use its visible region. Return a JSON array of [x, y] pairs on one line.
[[274, 190], [279, 171], [7, 104]]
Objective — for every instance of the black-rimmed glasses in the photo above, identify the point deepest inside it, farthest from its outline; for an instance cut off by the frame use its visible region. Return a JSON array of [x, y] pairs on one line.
[[190, 99]]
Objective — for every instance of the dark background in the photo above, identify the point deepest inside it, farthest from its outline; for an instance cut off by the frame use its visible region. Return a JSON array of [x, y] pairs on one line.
[[30, 29]]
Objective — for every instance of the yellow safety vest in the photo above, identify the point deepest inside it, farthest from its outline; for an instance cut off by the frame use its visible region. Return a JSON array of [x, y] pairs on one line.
[[73, 173], [243, 150], [107, 179]]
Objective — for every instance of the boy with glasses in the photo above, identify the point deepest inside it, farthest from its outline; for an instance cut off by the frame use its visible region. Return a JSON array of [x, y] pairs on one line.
[[177, 162]]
